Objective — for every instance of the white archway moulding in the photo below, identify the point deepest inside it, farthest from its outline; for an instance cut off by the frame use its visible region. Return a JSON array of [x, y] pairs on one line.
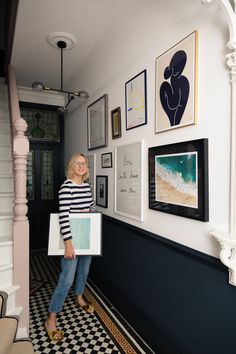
[[227, 239]]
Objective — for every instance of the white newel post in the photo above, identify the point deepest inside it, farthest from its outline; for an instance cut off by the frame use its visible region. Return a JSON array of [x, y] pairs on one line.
[[227, 239], [21, 224]]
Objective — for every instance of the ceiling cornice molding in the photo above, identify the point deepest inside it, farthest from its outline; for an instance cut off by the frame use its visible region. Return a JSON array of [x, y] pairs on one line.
[[26, 94]]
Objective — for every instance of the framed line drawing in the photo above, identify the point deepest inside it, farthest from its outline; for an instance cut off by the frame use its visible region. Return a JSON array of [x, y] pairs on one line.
[[136, 101], [129, 180], [101, 191], [97, 123], [86, 234], [116, 123], [178, 179], [106, 160], [92, 173], [176, 85]]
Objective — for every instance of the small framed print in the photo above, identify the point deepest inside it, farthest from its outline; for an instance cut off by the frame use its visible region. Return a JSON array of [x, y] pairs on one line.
[[116, 123], [101, 191], [136, 101], [85, 230], [97, 123], [106, 160]]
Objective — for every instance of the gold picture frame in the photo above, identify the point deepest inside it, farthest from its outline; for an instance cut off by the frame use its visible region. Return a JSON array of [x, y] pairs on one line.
[[176, 85], [116, 123]]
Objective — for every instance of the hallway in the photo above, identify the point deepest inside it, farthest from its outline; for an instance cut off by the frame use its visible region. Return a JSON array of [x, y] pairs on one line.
[[102, 332]]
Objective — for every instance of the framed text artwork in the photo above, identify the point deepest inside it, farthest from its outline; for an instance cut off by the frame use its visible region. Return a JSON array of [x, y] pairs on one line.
[[97, 123], [129, 180], [176, 85], [136, 101], [85, 230], [178, 179]]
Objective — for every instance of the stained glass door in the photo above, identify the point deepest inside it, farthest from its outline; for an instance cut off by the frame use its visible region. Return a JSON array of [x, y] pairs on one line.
[[43, 183], [45, 168]]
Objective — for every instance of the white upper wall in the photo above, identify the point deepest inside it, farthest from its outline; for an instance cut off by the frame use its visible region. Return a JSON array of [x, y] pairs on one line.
[[132, 46]]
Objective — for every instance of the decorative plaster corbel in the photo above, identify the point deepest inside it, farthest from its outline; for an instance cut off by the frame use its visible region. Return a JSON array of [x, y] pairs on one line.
[[227, 254], [227, 240], [230, 15]]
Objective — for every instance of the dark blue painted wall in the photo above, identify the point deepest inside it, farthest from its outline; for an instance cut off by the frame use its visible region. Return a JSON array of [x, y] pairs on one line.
[[177, 299]]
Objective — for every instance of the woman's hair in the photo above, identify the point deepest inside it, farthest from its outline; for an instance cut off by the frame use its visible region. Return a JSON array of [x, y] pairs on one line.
[[70, 167]]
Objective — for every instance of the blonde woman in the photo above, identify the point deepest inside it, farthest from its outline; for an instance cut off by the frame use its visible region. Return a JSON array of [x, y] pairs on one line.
[[74, 196]]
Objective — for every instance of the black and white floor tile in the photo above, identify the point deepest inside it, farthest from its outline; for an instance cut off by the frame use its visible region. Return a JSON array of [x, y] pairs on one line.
[[104, 331]]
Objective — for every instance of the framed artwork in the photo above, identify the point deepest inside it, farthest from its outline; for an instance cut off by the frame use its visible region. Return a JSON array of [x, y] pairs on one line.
[[92, 173], [116, 123], [101, 190], [85, 230], [178, 179], [136, 101], [97, 123], [176, 85], [106, 160], [129, 180]]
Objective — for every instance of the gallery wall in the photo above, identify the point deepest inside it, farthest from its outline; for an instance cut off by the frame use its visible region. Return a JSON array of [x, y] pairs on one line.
[[131, 46]]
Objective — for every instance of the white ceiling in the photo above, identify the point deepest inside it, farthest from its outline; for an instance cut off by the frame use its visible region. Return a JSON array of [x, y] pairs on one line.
[[87, 20]]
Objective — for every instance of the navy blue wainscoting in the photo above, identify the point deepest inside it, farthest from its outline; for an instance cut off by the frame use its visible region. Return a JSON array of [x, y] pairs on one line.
[[177, 299]]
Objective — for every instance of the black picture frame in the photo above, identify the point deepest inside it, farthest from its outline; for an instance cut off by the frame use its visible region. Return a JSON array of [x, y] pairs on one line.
[[106, 160], [178, 179], [101, 191], [136, 108]]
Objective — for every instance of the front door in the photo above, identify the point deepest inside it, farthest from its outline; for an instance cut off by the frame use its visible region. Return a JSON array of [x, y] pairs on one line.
[[44, 170]]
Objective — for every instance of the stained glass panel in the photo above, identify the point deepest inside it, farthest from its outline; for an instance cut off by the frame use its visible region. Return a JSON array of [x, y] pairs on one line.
[[46, 174], [30, 176], [43, 125]]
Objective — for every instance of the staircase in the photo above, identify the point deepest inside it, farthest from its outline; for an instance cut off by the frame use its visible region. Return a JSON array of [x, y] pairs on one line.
[[6, 209], [8, 328]]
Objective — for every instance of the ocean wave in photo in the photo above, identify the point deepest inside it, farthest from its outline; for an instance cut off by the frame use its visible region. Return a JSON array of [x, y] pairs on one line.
[[179, 171]]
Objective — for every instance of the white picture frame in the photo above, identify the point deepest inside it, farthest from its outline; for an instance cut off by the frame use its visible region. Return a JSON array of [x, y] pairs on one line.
[[129, 180], [86, 232], [97, 116], [92, 173]]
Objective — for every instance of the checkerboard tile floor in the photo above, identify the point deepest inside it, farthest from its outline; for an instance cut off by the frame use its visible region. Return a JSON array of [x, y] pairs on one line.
[[84, 333]]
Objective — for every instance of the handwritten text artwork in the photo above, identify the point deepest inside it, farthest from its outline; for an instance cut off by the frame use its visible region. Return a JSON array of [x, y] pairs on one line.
[[128, 180]]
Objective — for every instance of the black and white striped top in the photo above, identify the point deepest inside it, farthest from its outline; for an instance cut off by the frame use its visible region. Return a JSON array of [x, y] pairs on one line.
[[73, 198]]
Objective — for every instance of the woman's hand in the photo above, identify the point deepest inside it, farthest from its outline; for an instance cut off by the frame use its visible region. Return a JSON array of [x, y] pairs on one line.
[[69, 250]]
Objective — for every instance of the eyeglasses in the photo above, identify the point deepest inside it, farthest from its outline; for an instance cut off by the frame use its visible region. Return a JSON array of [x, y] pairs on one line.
[[80, 164]]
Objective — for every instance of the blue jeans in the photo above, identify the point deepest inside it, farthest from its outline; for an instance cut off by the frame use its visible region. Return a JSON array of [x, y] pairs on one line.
[[71, 270]]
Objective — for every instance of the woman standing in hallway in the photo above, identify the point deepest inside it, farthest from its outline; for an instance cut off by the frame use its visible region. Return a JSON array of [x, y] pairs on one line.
[[74, 196]]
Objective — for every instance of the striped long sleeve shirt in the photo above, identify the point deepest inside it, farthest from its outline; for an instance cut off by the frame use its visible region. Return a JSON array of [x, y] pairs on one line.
[[73, 198]]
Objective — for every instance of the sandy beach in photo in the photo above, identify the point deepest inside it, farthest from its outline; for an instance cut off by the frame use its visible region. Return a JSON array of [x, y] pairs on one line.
[[167, 193]]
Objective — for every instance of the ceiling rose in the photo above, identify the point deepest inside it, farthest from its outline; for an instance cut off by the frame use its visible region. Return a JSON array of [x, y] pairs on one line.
[[54, 37]]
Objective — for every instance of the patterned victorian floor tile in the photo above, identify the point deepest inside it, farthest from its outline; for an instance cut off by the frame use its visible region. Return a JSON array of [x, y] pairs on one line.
[[100, 332]]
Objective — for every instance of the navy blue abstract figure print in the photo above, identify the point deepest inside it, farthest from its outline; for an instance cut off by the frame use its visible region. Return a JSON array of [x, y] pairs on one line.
[[175, 92]]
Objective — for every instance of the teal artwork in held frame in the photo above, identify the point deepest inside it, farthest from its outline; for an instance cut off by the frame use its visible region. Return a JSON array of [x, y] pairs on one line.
[[80, 230]]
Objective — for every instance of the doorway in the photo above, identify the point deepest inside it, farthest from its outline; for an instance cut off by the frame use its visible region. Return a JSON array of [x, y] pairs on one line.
[[45, 168]]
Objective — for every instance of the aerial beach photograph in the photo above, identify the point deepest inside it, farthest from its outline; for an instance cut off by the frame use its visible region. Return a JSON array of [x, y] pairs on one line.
[[176, 179]]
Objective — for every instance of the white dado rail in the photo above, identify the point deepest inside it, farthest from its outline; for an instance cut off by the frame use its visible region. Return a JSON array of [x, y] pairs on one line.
[[227, 240]]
